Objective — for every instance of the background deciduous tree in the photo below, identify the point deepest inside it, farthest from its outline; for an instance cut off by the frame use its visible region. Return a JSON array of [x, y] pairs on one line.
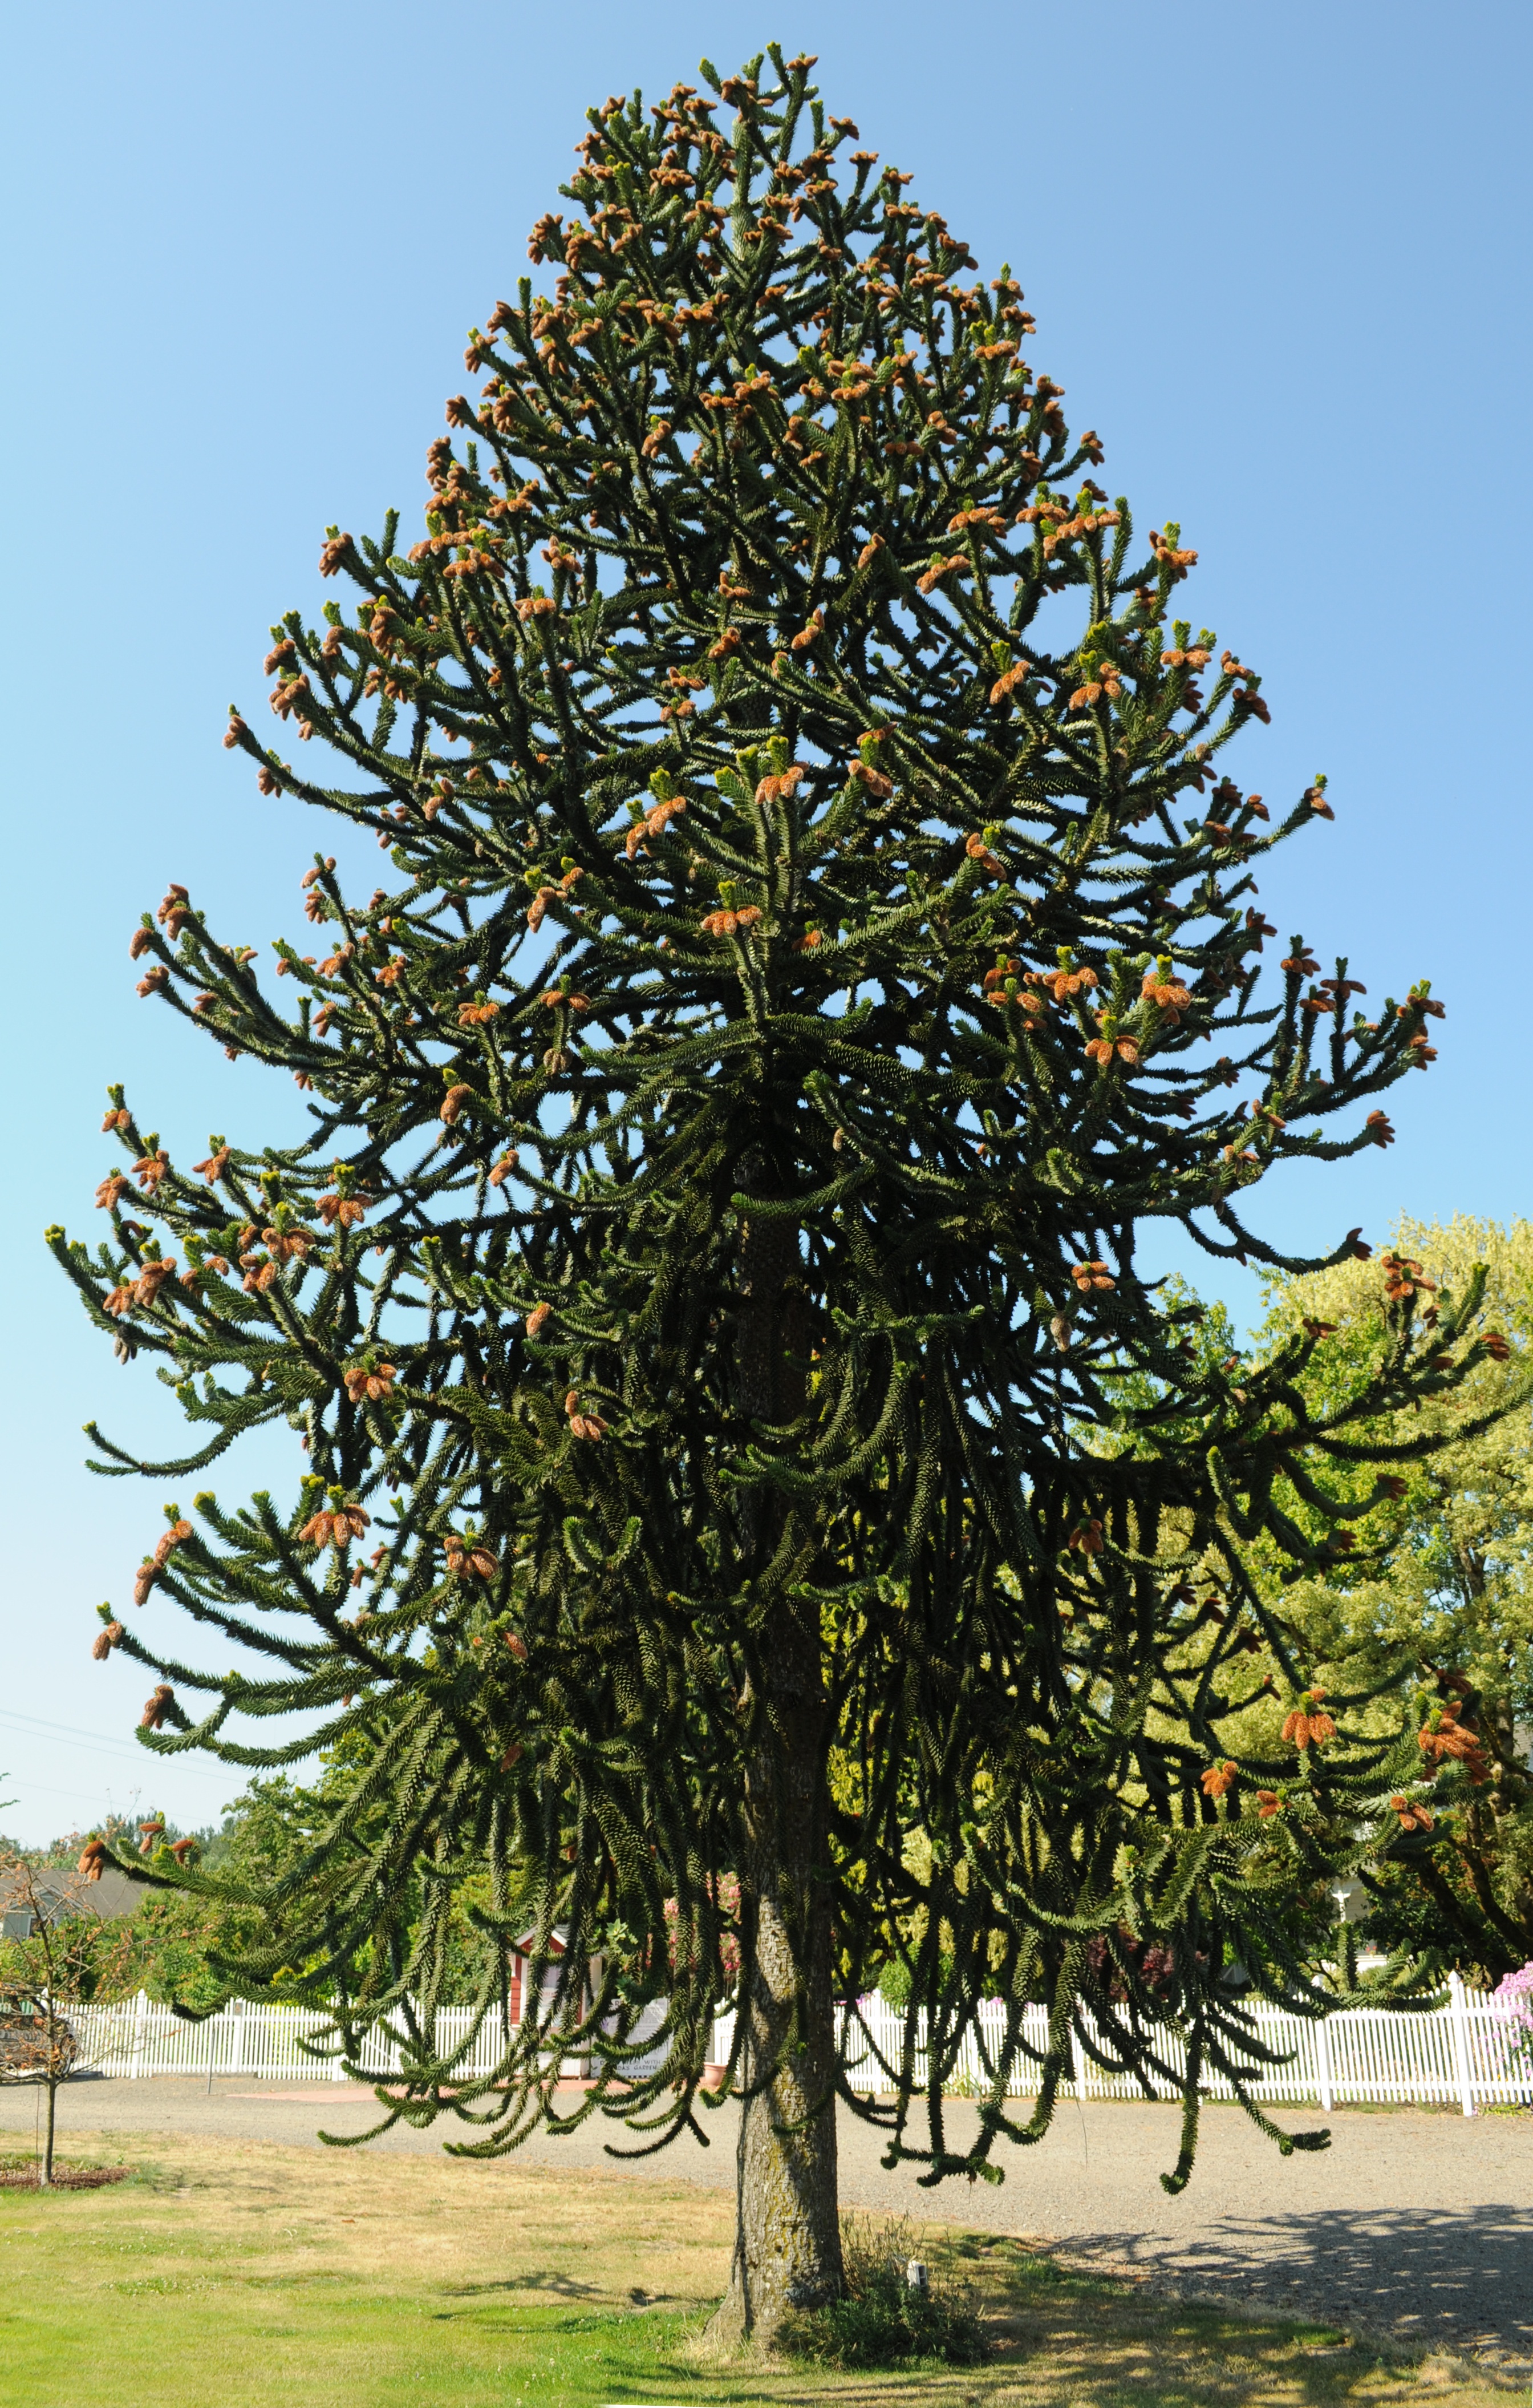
[[1445, 1580], [62, 1953]]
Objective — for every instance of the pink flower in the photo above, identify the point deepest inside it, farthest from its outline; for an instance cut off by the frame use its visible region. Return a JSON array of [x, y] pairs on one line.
[[728, 1898], [1515, 1992]]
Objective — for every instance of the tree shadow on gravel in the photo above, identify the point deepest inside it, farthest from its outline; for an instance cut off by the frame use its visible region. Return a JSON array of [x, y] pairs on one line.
[[1458, 2279]]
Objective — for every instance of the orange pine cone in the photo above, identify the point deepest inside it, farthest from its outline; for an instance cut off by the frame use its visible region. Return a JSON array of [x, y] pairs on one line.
[[365, 1386], [1306, 1727], [976, 849], [172, 1539], [464, 1558], [1442, 1740], [345, 1209]]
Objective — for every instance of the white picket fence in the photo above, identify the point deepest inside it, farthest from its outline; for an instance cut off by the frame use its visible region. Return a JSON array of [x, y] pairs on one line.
[[1465, 2051], [137, 2037]]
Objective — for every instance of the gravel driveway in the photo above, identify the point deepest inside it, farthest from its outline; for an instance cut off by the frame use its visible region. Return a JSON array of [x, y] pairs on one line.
[[1413, 2224]]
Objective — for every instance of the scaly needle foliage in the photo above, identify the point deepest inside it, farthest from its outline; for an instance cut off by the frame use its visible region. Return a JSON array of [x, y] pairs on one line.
[[705, 1289]]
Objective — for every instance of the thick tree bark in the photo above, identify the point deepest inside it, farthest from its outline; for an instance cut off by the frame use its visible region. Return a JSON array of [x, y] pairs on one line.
[[787, 2237]]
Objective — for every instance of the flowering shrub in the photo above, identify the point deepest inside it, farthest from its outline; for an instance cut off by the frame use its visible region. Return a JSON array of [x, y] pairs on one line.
[[727, 1898], [1516, 1991]]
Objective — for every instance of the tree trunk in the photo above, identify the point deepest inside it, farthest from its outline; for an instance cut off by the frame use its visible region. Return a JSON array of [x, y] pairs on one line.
[[787, 2231], [787, 2228], [44, 2179]]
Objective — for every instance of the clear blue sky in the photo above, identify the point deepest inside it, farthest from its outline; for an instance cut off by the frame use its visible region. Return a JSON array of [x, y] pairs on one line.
[[1278, 257]]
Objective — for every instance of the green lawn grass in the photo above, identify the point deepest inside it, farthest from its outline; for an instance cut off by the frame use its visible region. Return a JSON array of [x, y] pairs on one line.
[[232, 2275]]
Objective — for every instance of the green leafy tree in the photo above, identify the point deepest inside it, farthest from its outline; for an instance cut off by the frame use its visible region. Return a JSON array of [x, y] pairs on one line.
[[54, 1952], [180, 1939], [1443, 1579], [799, 981], [155, 1941]]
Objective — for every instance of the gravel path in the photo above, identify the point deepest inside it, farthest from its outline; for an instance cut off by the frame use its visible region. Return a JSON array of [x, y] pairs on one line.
[[1415, 2225]]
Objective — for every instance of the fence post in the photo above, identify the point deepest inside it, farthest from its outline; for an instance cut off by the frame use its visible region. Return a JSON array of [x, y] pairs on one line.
[[1322, 2066], [1078, 2066], [1459, 2024], [236, 2036], [140, 2035]]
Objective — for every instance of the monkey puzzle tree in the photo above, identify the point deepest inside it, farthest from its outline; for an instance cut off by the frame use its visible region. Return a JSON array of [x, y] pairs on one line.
[[701, 1292]]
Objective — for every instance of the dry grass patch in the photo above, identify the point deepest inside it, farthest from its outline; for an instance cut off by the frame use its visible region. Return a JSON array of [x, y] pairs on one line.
[[247, 2211], [241, 2274]]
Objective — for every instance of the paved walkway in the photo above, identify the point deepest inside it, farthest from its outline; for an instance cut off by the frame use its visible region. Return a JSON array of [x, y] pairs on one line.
[[1413, 2224]]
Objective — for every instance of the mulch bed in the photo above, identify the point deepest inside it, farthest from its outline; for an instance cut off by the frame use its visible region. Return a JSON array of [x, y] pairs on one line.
[[16, 2176]]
